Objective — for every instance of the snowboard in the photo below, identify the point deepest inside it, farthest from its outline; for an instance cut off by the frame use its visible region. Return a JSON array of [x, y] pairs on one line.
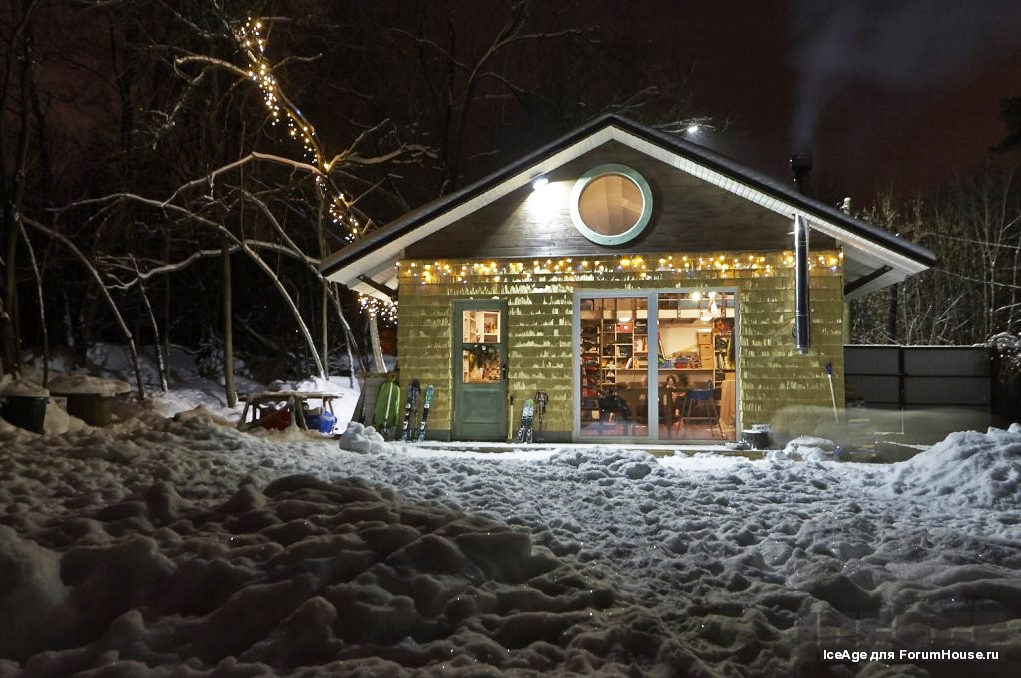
[[410, 404], [525, 430], [387, 410], [427, 400]]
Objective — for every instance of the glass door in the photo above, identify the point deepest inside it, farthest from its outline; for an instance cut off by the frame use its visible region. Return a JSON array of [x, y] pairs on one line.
[[614, 367], [695, 376], [656, 365]]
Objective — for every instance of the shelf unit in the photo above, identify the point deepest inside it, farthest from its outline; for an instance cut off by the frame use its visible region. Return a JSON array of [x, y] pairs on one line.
[[614, 343], [481, 327]]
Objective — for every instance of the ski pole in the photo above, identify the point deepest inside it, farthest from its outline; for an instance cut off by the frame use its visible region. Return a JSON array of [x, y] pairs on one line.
[[833, 396]]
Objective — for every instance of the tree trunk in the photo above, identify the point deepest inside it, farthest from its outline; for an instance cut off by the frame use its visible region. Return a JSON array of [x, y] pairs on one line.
[[42, 305], [228, 327], [132, 347], [377, 350], [891, 319], [10, 334]]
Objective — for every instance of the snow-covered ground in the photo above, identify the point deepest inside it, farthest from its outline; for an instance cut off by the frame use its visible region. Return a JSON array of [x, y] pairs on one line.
[[185, 548]]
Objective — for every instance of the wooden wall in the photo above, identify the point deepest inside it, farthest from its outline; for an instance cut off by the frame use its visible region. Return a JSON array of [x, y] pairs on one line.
[[777, 386], [688, 215]]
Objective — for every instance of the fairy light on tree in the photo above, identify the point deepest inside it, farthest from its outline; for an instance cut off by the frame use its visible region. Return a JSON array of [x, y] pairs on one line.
[[282, 110], [384, 311]]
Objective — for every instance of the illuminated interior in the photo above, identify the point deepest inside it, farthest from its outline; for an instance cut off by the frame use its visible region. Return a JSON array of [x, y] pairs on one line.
[[686, 349]]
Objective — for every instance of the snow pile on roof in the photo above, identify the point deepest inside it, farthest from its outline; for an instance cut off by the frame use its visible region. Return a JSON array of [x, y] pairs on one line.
[[980, 469]]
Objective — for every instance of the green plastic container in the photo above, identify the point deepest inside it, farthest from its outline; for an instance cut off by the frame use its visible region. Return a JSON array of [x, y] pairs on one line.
[[27, 412]]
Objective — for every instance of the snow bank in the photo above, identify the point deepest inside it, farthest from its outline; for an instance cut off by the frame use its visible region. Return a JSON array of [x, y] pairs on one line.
[[979, 469], [364, 440], [188, 549]]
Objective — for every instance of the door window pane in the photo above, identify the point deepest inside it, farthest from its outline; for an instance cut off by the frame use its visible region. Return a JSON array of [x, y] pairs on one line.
[[481, 327], [480, 364]]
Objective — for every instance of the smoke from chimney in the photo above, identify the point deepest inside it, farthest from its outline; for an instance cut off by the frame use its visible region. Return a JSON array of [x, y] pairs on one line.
[[907, 45]]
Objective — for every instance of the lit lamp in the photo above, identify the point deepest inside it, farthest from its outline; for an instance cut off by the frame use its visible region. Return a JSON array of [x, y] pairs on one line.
[[539, 182]]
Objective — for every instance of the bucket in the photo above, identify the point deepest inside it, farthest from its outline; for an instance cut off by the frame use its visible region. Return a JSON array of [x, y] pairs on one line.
[[324, 422], [92, 408], [27, 412], [758, 438]]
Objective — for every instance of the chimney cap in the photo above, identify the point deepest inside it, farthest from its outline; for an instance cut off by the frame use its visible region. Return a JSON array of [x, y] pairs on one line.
[[801, 162]]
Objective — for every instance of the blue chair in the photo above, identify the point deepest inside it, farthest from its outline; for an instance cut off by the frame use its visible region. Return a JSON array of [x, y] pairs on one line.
[[700, 408]]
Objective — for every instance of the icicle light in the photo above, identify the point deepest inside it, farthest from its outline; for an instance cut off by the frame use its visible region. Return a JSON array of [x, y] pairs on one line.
[[384, 311], [633, 266]]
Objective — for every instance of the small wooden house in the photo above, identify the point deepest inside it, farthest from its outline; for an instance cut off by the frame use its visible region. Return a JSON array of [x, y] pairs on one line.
[[653, 289]]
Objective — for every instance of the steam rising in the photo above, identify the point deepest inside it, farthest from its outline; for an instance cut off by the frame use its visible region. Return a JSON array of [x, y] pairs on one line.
[[910, 44]]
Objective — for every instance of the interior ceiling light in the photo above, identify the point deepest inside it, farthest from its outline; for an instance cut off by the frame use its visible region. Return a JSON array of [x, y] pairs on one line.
[[539, 182]]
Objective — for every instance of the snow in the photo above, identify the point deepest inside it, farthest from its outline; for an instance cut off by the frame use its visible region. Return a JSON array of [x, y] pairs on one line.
[[182, 547], [67, 384], [22, 388]]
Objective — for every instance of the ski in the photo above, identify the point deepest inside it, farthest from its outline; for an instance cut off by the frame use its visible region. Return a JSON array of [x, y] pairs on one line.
[[426, 402], [409, 409], [541, 400], [527, 414]]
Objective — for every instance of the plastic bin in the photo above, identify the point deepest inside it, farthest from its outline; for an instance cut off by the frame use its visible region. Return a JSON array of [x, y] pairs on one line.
[[27, 412], [323, 422], [92, 408]]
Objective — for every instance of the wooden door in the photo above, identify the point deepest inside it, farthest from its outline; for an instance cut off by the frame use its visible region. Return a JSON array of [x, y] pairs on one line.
[[480, 370]]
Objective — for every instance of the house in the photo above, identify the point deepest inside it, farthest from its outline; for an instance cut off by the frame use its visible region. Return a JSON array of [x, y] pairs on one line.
[[652, 288]]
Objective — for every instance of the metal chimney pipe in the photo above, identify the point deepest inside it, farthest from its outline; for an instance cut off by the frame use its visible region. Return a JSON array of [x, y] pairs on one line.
[[801, 167], [802, 335]]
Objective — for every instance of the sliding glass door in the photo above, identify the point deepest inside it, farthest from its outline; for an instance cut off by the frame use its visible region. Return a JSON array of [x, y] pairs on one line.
[[613, 352], [655, 366]]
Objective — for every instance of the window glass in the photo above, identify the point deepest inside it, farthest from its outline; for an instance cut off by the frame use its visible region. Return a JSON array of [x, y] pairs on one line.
[[611, 204]]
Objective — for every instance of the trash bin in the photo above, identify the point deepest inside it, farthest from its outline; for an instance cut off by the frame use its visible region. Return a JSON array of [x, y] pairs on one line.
[[27, 412], [758, 437], [94, 409]]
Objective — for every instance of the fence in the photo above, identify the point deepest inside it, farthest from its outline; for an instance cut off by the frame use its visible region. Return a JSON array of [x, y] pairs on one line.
[[928, 391]]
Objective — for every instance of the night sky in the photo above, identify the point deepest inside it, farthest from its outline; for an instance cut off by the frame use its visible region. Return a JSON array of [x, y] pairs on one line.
[[894, 93]]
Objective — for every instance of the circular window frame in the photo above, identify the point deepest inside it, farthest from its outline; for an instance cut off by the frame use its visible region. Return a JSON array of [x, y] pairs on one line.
[[602, 171]]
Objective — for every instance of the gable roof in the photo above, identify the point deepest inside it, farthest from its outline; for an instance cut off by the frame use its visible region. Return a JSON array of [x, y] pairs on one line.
[[873, 258]]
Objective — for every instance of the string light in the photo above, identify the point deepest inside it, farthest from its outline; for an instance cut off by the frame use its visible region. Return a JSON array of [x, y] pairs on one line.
[[384, 311], [638, 267], [339, 209]]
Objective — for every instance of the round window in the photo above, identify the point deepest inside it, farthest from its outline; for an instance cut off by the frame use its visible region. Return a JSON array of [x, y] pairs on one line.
[[611, 204]]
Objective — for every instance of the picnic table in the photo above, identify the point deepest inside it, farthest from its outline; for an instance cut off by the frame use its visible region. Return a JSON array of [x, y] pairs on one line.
[[277, 409]]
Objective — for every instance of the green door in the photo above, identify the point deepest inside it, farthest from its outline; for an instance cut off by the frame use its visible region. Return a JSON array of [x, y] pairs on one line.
[[480, 366]]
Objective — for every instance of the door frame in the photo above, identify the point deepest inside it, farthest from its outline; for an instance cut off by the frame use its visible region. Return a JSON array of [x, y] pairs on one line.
[[652, 392], [458, 307]]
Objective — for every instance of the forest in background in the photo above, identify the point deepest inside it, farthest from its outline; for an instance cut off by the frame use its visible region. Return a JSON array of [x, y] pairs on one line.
[[174, 172]]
